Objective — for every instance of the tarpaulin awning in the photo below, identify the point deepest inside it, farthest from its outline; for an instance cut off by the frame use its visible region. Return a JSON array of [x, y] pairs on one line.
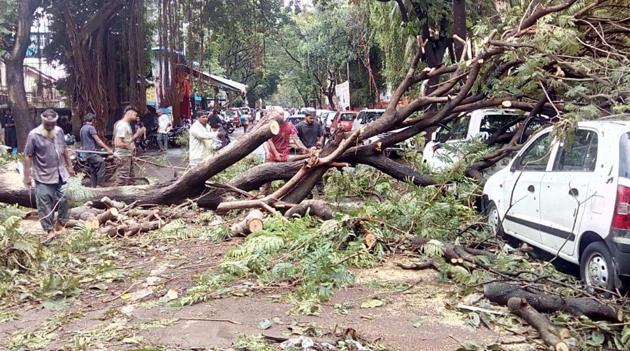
[[215, 80]]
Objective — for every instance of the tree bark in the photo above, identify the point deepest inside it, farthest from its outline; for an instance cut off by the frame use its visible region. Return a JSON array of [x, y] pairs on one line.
[[459, 26], [579, 306], [316, 208], [14, 63], [93, 85]]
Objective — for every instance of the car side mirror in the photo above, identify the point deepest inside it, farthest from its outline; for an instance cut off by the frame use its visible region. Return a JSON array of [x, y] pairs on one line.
[[434, 137]]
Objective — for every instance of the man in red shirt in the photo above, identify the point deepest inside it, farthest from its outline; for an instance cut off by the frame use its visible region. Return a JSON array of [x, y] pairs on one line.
[[278, 147]]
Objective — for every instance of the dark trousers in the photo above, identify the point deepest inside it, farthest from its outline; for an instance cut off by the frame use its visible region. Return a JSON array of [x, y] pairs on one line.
[[50, 199], [97, 170]]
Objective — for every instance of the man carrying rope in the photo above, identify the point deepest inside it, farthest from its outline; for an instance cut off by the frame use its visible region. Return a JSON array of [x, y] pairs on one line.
[[47, 165]]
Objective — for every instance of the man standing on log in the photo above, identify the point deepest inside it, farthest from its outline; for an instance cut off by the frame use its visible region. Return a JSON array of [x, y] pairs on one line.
[[89, 141], [47, 164], [202, 140], [310, 132], [124, 145]]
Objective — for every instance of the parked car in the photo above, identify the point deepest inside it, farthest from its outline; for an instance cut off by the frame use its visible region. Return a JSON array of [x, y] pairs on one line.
[[441, 151], [571, 198], [369, 115], [343, 121], [296, 119], [325, 117], [366, 116]]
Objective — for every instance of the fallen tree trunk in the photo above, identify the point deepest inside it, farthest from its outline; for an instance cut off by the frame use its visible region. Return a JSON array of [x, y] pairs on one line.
[[500, 293], [190, 185], [548, 333]]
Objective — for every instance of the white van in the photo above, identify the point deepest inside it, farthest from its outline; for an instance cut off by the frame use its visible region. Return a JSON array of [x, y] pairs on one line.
[[571, 199], [441, 152]]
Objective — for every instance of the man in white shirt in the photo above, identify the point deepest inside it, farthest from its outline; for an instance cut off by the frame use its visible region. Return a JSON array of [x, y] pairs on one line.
[[202, 141], [165, 124], [124, 145]]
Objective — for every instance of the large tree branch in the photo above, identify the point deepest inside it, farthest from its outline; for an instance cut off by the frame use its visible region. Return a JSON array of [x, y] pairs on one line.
[[539, 12]]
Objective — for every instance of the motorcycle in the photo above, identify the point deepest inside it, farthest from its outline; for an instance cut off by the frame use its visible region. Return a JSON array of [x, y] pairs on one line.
[[228, 127], [175, 133]]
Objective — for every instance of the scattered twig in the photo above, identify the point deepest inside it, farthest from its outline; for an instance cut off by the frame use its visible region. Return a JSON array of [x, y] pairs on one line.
[[201, 319]]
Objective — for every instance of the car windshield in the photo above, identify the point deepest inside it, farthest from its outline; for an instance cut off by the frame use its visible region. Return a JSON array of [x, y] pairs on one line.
[[455, 130], [368, 116], [624, 156], [492, 123], [348, 117]]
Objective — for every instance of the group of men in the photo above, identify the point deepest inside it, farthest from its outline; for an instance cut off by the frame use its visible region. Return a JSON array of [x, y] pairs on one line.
[[47, 163], [307, 136]]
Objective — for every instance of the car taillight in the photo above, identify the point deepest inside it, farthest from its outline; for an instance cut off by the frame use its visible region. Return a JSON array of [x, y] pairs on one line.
[[621, 218]]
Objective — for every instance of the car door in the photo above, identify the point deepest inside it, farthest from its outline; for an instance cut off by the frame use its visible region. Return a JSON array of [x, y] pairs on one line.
[[522, 189], [566, 191]]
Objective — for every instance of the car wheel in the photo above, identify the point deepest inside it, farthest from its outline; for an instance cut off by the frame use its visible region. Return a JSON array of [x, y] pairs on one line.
[[494, 220], [596, 266]]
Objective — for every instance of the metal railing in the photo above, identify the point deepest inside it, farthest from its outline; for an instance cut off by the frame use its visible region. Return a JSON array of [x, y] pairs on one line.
[[33, 99]]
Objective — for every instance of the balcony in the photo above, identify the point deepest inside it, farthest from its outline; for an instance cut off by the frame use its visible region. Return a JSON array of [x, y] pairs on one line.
[[34, 100]]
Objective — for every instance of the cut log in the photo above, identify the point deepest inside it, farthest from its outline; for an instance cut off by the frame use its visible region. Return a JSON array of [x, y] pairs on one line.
[[252, 223], [109, 203], [109, 215], [317, 208], [548, 333], [84, 213], [130, 228], [500, 293]]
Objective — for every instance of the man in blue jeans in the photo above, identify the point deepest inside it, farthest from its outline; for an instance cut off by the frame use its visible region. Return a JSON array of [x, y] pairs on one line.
[[47, 165]]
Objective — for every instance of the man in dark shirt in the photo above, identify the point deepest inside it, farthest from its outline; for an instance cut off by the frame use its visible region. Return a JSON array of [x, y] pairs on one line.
[[10, 133], [89, 141], [215, 119], [310, 132], [47, 165]]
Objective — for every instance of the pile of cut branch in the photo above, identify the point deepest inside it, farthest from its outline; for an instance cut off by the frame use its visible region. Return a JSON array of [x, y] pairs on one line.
[[118, 219]]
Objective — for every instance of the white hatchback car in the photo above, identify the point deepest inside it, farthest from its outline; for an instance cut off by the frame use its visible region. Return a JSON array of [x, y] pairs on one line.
[[571, 200]]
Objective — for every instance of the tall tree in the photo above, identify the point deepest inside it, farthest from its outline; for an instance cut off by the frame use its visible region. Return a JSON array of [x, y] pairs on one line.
[[15, 49]]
